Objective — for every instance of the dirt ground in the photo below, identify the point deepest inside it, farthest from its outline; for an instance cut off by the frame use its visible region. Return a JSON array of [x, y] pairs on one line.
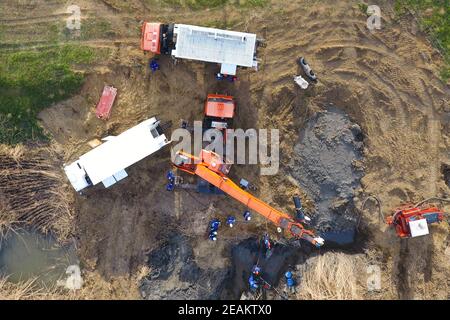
[[386, 81]]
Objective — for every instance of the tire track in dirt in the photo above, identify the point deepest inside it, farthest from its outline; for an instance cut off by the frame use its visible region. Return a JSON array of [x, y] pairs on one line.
[[434, 135], [382, 74], [34, 20], [85, 15], [402, 276]]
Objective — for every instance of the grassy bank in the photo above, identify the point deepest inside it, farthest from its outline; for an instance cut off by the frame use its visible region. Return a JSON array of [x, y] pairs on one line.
[[434, 17], [33, 80]]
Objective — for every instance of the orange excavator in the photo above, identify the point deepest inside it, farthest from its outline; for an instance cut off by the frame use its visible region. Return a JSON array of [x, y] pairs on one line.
[[210, 167]]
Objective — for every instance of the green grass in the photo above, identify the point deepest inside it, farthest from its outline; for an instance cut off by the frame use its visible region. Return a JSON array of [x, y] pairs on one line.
[[252, 3], [435, 18], [220, 24], [31, 81], [205, 4], [363, 7], [93, 28]]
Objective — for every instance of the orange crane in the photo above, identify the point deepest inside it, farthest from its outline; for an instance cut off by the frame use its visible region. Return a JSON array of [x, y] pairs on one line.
[[210, 167]]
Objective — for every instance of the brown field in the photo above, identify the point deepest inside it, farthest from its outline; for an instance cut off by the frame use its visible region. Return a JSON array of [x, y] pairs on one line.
[[387, 81]]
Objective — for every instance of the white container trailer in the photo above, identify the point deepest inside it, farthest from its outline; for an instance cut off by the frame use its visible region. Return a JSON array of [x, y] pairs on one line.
[[107, 162]]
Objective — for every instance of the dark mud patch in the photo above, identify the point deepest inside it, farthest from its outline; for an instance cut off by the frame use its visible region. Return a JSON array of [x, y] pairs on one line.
[[327, 166], [446, 174], [250, 252], [174, 275]]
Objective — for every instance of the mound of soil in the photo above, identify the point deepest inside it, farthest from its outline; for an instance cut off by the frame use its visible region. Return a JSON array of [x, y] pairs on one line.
[[324, 165]]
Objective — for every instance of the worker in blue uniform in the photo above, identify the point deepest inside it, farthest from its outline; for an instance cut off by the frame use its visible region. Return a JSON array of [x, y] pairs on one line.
[[154, 65], [213, 235], [231, 78], [214, 225], [170, 176], [256, 270], [170, 186], [290, 282], [247, 215], [219, 76], [231, 220], [267, 243], [253, 283]]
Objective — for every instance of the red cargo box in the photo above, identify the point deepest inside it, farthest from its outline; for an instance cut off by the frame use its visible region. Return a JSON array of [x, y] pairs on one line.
[[106, 102]]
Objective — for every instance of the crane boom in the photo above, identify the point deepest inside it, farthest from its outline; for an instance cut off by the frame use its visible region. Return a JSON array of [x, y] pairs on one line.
[[210, 167]]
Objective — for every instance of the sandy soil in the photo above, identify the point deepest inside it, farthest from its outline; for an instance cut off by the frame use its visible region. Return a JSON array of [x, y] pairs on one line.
[[386, 81]]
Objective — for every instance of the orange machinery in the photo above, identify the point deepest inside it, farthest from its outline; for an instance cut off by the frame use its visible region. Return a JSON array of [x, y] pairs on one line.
[[412, 221], [210, 167], [219, 113], [157, 37]]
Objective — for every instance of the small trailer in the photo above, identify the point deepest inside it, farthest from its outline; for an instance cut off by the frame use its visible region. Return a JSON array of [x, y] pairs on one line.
[[107, 162], [106, 102], [230, 49]]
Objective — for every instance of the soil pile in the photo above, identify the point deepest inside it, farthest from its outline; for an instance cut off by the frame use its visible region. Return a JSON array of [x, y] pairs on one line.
[[325, 162]]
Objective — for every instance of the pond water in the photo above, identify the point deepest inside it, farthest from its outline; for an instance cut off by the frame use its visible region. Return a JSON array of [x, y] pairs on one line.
[[27, 254]]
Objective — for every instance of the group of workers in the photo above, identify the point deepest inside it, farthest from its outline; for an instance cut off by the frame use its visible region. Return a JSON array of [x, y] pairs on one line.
[[256, 281], [221, 76], [231, 220]]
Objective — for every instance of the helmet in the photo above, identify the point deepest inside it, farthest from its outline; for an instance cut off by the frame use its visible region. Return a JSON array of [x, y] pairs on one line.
[[288, 274], [256, 270]]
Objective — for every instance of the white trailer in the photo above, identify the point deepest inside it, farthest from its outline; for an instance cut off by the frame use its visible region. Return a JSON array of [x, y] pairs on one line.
[[107, 162]]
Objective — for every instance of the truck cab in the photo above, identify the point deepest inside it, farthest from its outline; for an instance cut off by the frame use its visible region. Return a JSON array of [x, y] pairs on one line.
[[157, 37]]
